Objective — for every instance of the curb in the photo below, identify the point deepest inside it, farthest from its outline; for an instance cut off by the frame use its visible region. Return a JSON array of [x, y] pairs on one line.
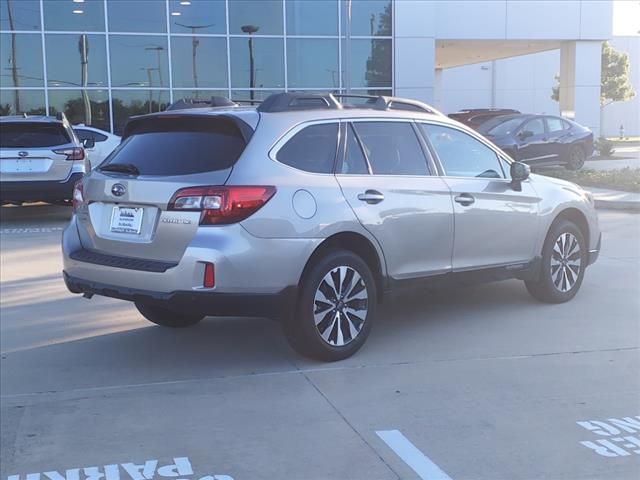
[[628, 206]]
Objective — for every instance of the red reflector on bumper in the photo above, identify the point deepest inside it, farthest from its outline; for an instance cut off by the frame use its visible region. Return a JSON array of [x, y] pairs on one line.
[[209, 276]]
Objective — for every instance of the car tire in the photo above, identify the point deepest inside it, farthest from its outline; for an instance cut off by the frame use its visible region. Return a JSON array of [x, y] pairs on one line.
[[336, 308], [576, 158], [166, 317], [562, 266]]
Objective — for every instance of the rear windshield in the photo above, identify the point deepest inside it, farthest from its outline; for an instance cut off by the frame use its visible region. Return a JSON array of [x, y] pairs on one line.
[[180, 147], [32, 135], [501, 126]]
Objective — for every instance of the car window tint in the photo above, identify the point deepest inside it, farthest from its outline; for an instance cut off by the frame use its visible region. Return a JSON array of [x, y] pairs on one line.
[[85, 134], [535, 126], [566, 125], [354, 161], [312, 149], [182, 147], [462, 155], [499, 126], [32, 135], [392, 148], [555, 125]]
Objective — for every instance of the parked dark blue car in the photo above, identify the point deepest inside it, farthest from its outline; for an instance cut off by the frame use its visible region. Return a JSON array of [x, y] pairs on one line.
[[540, 139]]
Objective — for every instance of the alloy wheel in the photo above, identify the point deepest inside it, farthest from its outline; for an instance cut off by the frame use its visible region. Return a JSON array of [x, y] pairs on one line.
[[340, 306], [566, 261]]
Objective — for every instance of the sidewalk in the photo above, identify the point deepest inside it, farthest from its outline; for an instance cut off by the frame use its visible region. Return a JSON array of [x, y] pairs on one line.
[[615, 200]]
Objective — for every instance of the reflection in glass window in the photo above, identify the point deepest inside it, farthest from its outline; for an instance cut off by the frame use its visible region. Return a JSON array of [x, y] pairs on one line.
[[24, 69], [312, 17], [535, 126], [127, 103], [90, 107], [16, 102], [197, 16], [137, 16], [87, 16], [266, 15], [313, 63], [370, 63], [199, 62], [76, 60], [268, 57], [392, 148], [244, 96], [461, 155], [555, 124], [368, 17], [198, 94], [138, 61], [25, 15]]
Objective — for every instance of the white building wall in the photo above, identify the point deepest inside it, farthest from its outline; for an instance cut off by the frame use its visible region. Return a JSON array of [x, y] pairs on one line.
[[525, 83]]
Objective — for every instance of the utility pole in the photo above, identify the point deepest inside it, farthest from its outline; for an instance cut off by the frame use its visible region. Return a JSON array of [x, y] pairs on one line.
[[251, 29], [14, 64], [83, 48], [158, 49], [194, 45]]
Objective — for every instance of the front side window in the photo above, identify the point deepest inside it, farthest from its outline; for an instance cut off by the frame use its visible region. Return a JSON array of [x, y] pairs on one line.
[[392, 148], [462, 155], [312, 149]]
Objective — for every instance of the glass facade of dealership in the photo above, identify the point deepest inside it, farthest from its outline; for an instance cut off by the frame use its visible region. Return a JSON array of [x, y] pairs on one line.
[[101, 61]]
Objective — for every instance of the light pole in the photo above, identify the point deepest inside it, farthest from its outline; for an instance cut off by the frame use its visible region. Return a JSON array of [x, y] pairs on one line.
[[158, 49], [251, 29], [83, 48], [194, 45]]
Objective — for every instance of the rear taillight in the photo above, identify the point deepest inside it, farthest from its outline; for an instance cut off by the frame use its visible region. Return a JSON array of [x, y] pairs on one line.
[[221, 205], [75, 153], [78, 196]]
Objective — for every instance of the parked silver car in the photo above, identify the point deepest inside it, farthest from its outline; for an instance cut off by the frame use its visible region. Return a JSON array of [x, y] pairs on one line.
[[41, 159], [311, 210]]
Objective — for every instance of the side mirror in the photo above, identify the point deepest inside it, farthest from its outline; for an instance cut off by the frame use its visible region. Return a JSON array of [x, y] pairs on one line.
[[89, 142], [525, 134], [519, 173]]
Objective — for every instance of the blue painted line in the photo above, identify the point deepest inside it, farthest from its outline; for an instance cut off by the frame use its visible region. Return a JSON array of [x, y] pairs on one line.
[[409, 453]]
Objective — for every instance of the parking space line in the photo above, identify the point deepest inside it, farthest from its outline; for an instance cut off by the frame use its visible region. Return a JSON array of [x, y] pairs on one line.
[[409, 453]]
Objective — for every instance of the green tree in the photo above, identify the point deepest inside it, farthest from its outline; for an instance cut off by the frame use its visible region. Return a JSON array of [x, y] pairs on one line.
[[615, 86]]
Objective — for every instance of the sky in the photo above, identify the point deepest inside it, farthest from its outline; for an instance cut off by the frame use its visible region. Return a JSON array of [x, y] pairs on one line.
[[626, 17]]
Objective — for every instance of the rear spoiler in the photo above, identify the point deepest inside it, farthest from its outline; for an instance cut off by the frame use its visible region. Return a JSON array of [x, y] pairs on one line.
[[182, 121]]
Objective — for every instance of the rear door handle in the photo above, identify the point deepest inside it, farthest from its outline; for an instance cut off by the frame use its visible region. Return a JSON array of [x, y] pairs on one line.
[[371, 197], [465, 199]]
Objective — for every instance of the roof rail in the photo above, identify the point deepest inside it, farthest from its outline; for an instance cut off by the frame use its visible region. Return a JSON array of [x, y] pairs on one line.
[[215, 101], [286, 102]]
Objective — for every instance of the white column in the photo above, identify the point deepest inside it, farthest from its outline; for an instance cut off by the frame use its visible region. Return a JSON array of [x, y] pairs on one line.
[[414, 49], [580, 70], [438, 98]]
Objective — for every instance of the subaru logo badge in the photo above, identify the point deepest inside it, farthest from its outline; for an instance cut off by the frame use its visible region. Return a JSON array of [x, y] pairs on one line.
[[118, 189], [23, 154]]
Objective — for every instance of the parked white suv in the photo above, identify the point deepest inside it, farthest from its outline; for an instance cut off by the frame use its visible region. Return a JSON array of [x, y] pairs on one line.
[[311, 210], [41, 159]]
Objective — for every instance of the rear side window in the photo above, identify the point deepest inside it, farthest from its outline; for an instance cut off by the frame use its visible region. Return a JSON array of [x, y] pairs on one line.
[[392, 148], [555, 125], [354, 161], [86, 134], [312, 149], [183, 146], [32, 135]]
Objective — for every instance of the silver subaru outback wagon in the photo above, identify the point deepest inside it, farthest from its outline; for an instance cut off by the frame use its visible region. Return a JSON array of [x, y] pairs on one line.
[[312, 209]]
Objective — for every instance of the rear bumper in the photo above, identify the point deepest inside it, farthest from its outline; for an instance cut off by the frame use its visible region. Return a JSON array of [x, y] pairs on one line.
[[43, 191], [275, 305]]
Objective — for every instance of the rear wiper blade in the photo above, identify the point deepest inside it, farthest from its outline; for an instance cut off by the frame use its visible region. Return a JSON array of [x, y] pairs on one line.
[[121, 168]]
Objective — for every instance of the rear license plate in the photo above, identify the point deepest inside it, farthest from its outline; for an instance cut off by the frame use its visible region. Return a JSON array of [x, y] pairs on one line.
[[22, 165], [127, 220]]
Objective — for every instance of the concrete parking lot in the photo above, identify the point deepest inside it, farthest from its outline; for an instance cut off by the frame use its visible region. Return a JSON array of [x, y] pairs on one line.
[[474, 383]]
